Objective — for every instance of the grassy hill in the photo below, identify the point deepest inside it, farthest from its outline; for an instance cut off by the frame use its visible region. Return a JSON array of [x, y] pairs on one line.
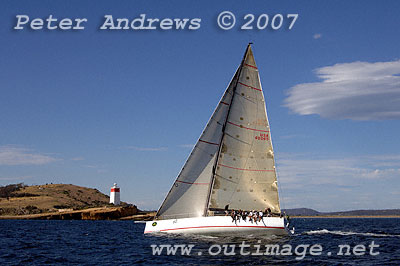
[[18, 199]]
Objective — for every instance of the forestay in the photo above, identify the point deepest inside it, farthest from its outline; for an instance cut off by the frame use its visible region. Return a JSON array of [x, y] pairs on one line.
[[188, 195]]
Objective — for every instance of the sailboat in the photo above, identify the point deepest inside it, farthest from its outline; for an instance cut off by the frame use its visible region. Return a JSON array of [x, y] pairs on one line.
[[230, 169]]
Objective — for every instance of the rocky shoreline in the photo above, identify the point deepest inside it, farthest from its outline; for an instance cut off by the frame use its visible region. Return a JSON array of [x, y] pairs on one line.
[[100, 213]]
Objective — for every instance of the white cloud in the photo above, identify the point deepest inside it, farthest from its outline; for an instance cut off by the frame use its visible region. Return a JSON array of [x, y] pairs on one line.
[[77, 159], [357, 90], [136, 148], [98, 168], [317, 35], [15, 178], [338, 183], [188, 146], [11, 155], [298, 169]]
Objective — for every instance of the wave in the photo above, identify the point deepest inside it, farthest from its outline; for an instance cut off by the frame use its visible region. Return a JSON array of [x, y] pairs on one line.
[[342, 233]]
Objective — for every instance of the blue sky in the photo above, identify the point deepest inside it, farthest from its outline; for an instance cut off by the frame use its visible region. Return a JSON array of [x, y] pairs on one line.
[[94, 107]]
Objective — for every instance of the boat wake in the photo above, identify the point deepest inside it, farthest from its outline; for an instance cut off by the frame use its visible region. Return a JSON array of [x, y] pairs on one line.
[[221, 238], [342, 233]]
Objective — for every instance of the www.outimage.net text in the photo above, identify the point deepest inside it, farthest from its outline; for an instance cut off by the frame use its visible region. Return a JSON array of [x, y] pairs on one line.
[[244, 249]]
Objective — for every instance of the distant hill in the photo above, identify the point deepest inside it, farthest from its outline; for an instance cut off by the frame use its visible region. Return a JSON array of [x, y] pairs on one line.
[[18, 199], [301, 212], [366, 212], [311, 212]]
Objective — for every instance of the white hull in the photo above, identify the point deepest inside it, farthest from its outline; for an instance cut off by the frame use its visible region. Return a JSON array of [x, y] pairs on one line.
[[217, 225]]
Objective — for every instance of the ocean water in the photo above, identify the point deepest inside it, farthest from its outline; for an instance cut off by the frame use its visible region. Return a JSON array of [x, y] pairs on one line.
[[123, 243]]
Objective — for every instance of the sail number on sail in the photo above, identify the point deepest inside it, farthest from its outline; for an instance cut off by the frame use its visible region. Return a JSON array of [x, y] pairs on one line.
[[262, 136]]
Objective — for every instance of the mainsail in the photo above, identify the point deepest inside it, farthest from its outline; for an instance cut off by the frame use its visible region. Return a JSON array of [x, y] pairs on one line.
[[232, 163]]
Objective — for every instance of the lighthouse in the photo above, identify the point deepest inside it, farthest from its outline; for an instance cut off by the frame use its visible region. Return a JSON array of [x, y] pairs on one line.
[[114, 195]]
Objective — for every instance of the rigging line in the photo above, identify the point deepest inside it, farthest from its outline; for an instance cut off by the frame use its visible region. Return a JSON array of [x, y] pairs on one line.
[[227, 179], [229, 135], [223, 130], [191, 183], [212, 143], [248, 98], [280, 194], [243, 169], [248, 128]]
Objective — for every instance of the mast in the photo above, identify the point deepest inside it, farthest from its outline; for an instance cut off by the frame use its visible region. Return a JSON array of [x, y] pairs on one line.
[[223, 133]]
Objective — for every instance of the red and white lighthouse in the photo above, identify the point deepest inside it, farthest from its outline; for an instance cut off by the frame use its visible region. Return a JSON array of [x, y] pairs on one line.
[[114, 195]]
